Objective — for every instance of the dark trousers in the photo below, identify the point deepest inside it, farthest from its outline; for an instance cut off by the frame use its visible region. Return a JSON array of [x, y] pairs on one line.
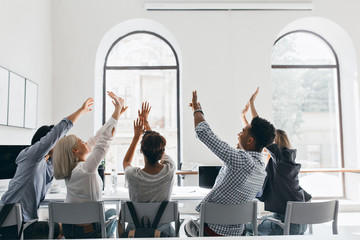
[[40, 230]]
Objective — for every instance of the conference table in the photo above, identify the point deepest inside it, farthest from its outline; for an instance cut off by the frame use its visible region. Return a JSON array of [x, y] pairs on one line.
[[181, 194]]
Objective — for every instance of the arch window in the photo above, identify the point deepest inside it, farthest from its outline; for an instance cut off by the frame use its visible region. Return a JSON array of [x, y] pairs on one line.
[[142, 66], [307, 105]]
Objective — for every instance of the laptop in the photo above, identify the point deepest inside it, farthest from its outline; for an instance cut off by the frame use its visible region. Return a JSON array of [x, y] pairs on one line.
[[207, 176]]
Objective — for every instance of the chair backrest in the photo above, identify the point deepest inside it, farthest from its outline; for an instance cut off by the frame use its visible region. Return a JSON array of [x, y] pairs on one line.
[[228, 214], [150, 209], [311, 213], [76, 213], [14, 218]]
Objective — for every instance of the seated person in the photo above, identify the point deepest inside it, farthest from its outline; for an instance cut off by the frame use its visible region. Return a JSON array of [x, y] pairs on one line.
[[281, 183], [243, 172], [77, 162], [154, 182], [34, 173]]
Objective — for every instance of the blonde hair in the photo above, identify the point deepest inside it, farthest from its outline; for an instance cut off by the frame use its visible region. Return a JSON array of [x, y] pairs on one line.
[[64, 160], [281, 139]]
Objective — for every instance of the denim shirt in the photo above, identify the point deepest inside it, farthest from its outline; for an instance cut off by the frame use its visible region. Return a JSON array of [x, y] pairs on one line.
[[34, 174]]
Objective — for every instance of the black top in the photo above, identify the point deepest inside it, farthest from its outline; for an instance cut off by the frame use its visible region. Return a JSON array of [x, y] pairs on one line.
[[281, 183]]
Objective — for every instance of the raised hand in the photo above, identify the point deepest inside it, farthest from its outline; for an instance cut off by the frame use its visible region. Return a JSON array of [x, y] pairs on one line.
[[119, 105], [252, 105], [194, 103], [253, 97], [138, 128], [145, 110], [85, 108], [144, 114]]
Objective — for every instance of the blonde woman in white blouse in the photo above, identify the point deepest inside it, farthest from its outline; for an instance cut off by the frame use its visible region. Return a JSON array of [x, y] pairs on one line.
[[77, 162]]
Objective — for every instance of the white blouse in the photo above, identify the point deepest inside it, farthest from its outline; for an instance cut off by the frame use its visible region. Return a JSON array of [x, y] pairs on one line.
[[85, 184]]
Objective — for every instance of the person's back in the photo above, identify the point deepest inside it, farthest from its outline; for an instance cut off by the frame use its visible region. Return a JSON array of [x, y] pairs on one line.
[[281, 185], [145, 187], [282, 182], [154, 182]]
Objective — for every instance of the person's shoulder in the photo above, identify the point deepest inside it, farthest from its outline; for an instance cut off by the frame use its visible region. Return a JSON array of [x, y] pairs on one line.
[[167, 160], [130, 170]]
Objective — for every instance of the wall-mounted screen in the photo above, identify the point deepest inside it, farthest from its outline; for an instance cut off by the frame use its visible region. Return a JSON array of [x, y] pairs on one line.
[[4, 91], [30, 104], [16, 100]]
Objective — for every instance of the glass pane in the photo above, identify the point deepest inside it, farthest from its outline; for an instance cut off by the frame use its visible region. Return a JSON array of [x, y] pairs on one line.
[[141, 49], [302, 48], [305, 105], [155, 86]]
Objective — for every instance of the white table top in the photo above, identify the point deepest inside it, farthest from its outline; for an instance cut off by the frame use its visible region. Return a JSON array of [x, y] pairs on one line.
[[178, 194]]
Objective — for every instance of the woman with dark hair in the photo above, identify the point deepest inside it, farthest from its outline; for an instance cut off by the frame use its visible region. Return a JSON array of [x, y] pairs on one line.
[[154, 182], [281, 183]]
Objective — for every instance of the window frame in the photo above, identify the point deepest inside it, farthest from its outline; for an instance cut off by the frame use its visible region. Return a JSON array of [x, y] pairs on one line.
[[322, 66], [160, 67]]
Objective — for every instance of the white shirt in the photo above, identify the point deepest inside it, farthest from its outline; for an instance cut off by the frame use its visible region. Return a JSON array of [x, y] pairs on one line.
[[85, 184]]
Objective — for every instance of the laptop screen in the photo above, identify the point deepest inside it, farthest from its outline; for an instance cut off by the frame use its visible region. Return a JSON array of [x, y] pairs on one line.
[[207, 175]]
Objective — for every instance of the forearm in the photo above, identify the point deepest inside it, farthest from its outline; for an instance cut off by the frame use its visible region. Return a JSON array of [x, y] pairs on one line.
[[147, 125], [244, 120], [253, 110], [76, 115], [101, 147], [116, 113], [130, 152], [198, 118]]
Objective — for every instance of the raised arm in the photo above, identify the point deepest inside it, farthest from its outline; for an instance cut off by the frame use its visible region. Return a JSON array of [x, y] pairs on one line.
[[118, 111], [197, 111], [83, 109], [144, 114], [119, 104], [252, 104], [103, 141], [138, 131], [244, 121]]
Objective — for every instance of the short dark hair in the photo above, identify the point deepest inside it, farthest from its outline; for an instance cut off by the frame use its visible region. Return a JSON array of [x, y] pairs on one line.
[[152, 146], [41, 132], [263, 132]]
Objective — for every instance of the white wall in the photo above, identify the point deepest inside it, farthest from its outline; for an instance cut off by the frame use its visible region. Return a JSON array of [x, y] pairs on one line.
[[26, 48], [235, 45], [225, 56]]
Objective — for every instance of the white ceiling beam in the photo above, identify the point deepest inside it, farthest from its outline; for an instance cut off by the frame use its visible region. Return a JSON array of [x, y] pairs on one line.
[[227, 6]]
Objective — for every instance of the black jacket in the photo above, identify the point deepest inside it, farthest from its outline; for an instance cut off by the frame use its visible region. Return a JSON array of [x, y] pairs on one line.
[[281, 183]]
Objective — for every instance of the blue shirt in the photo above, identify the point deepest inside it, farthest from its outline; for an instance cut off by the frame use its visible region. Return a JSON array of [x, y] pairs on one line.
[[238, 181], [33, 175]]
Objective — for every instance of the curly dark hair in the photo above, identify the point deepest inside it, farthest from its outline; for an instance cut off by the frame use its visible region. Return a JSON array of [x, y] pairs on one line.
[[152, 146], [263, 132]]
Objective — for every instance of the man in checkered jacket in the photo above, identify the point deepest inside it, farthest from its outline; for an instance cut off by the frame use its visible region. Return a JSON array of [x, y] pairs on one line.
[[243, 172]]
